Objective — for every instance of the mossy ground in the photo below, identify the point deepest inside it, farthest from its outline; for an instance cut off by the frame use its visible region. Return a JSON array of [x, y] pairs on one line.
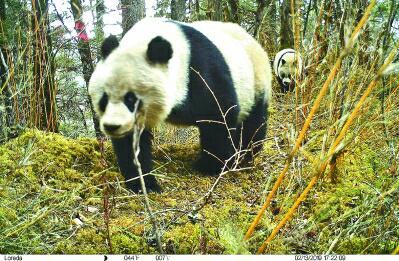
[[47, 181]]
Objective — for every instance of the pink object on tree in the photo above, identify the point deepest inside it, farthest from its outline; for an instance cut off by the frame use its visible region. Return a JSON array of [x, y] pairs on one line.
[[80, 28]]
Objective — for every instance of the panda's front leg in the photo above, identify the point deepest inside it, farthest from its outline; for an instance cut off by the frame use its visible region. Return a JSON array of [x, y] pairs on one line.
[[123, 148]]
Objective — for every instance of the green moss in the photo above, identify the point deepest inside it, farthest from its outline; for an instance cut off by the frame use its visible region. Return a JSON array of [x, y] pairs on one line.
[[44, 171], [7, 217], [183, 239], [358, 170], [86, 241], [130, 243], [231, 238], [355, 244]]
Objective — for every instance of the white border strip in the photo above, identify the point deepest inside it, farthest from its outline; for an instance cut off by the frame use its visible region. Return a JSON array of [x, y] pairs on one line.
[[199, 257]]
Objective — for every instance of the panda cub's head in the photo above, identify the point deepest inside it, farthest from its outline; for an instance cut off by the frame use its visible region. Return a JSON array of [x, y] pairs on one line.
[[287, 63], [131, 78]]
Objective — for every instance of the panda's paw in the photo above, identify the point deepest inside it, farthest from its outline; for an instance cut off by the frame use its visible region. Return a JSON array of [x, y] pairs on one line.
[[151, 185], [208, 166]]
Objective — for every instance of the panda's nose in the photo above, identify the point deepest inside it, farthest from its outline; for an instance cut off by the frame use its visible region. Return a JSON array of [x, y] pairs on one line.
[[111, 127]]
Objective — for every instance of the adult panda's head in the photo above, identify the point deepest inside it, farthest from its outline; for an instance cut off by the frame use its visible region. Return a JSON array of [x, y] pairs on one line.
[[287, 64], [136, 72]]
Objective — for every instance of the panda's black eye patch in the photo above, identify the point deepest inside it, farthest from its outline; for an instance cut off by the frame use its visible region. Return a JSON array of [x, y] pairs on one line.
[[283, 61], [130, 100], [103, 102]]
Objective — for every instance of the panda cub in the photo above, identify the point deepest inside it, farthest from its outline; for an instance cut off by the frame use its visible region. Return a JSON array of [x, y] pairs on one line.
[[287, 62], [211, 75]]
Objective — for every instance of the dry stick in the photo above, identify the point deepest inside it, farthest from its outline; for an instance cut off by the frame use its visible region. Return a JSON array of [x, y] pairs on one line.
[[220, 108], [321, 168], [137, 131], [306, 125], [224, 122], [313, 62], [205, 199], [107, 212]]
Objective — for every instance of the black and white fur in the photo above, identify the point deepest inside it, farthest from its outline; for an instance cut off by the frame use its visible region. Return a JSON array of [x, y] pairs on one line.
[[287, 65], [159, 63]]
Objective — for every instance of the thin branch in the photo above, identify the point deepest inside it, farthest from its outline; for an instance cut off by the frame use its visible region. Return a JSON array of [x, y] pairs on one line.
[[137, 131]]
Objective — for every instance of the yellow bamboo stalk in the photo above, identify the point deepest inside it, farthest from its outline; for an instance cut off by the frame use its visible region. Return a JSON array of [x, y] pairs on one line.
[[332, 149], [396, 251], [288, 215], [308, 120]]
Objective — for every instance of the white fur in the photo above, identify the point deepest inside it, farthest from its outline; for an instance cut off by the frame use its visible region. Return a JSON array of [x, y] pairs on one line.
[[292, 67]]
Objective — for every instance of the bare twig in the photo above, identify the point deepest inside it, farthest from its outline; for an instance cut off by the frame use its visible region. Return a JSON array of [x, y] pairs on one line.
[[223, 114], [137, 131]]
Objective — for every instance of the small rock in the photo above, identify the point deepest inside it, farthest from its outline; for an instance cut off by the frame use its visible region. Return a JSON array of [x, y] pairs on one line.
[[92, 209], [77, 222]]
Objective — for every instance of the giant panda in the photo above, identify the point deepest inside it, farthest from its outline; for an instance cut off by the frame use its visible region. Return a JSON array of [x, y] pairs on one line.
[[200, 74], [287, 65]]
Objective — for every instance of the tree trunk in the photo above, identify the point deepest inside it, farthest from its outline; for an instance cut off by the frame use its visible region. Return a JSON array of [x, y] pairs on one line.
[[197, 7], [178, 10], [387, 31], [99, 25], [215, 11], [233, 11], [286, 34], [5, 94], [305, 26], [132, 12], [273, 22], [321, 33], [259, 16], [343, 14], [44, 114], [85, 56]]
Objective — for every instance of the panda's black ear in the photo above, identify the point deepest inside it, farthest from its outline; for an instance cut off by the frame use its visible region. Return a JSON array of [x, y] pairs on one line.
[[159, 50], [108, 45], [283, 61]]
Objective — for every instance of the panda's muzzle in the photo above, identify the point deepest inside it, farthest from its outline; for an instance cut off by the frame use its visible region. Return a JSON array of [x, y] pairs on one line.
[[115, 133], [117, 120]]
